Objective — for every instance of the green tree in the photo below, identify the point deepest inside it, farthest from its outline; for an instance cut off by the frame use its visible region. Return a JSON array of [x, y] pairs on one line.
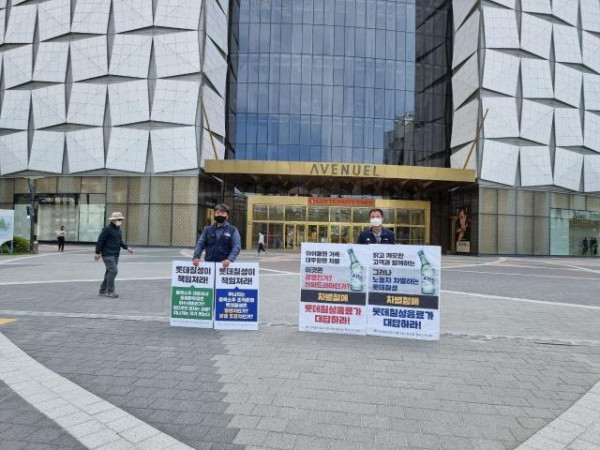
[[3, 225]]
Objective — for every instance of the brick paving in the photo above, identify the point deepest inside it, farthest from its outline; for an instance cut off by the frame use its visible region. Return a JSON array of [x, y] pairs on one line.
[[501, 373]]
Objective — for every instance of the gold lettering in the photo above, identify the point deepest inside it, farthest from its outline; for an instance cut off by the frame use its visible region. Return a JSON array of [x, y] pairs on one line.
[[334, 169], [345, 169], [324, 169], [314, 170], [375, 173], [367, 171], [355, 170]]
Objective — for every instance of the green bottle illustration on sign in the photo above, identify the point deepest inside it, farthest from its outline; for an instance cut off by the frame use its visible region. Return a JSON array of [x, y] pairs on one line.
[[356, 273], [427, 275]]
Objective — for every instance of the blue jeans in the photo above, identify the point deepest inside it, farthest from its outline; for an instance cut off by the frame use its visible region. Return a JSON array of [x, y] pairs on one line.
[[111, 262]]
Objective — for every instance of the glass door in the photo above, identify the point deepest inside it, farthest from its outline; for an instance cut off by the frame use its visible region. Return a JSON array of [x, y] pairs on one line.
[[317, 233], [340, 234], [294, 236]]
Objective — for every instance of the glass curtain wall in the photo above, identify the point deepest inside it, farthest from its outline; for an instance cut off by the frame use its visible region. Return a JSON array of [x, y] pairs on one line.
[[364, 81]]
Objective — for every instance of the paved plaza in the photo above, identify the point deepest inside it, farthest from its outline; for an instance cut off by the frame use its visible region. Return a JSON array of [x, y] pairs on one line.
[[517, 365]]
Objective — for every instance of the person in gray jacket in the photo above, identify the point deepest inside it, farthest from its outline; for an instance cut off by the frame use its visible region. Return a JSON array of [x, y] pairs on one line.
[[109, 245]]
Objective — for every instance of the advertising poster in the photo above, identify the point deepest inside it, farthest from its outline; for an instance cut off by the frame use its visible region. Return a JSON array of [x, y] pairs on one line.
[[333, 288], [404, 289], [236, 304], [192, 290], [7, 225]]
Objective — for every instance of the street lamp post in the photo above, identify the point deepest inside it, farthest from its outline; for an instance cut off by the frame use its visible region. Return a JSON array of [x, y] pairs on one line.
[[32, 214]]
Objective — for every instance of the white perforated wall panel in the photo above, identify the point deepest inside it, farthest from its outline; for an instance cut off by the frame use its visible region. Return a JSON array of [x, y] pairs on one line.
[[501, 72], [49, 106], [131, 55], [567, 85], [499, 162], [567, 169], [536, 79], [568, 127], [466, 40], [464, 123], [176, 101], [132, 14], [177, 53], [566, 44], [182, 14], [91, 16], [590, 15], [536, 167], [87, 104], [501, 120], [47, 151], [51, 62], [536, 6], [54, 18], [129, 102], [215, 67], [591, 138], [174, 149], [461, 10], [15, 109], [591, 173], [536, 121], [89, 58], [500, 28], [127, 149], [85, 149], [536, 35], [13, 152], [21, 24], [566, 10], [215, 110], [18, 66]]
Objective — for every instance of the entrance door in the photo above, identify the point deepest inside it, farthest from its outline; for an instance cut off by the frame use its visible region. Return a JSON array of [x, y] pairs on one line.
[[294, 236], [340, 234], [317, 233]]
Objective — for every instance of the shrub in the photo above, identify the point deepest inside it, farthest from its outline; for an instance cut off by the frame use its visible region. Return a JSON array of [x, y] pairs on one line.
[[21, 245]]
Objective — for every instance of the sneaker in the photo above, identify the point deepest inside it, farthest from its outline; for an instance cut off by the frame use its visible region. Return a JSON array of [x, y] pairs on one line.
[[101, 292], [112, 295]]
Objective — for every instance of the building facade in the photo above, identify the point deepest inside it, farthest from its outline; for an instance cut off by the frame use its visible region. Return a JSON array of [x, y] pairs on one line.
[[526, 117], [101, 109], [473, 124]]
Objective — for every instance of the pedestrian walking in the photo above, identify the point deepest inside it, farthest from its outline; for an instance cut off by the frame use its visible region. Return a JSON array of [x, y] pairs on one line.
[[593, 246], [585, 246], [109, 245], [220, 241], [261, 242], [377, 234], [60, 236]]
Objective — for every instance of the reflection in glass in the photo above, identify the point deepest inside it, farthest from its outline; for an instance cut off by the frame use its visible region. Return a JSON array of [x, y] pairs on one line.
[[295, 213], [276, 212], [376, 70], [318, 214], [260, 212]]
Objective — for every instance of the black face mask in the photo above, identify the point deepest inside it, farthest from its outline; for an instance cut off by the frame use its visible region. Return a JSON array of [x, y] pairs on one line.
[[220, 219]]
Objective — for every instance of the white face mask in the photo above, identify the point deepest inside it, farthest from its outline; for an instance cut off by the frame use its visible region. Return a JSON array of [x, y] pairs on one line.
[[118, 222], [376, 221]]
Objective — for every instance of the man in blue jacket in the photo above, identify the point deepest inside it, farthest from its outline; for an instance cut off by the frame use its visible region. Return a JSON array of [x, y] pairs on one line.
[[376, 234], [109, 245], [221, 241]]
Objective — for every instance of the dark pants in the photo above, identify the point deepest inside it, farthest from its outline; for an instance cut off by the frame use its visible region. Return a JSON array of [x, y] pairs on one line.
[[261, 247], [61, 244], [111, 262]]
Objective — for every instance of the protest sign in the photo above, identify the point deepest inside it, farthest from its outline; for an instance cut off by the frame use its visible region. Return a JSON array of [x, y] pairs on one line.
[[236, 304], [333, 288], [192, 293], [404, 289]]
